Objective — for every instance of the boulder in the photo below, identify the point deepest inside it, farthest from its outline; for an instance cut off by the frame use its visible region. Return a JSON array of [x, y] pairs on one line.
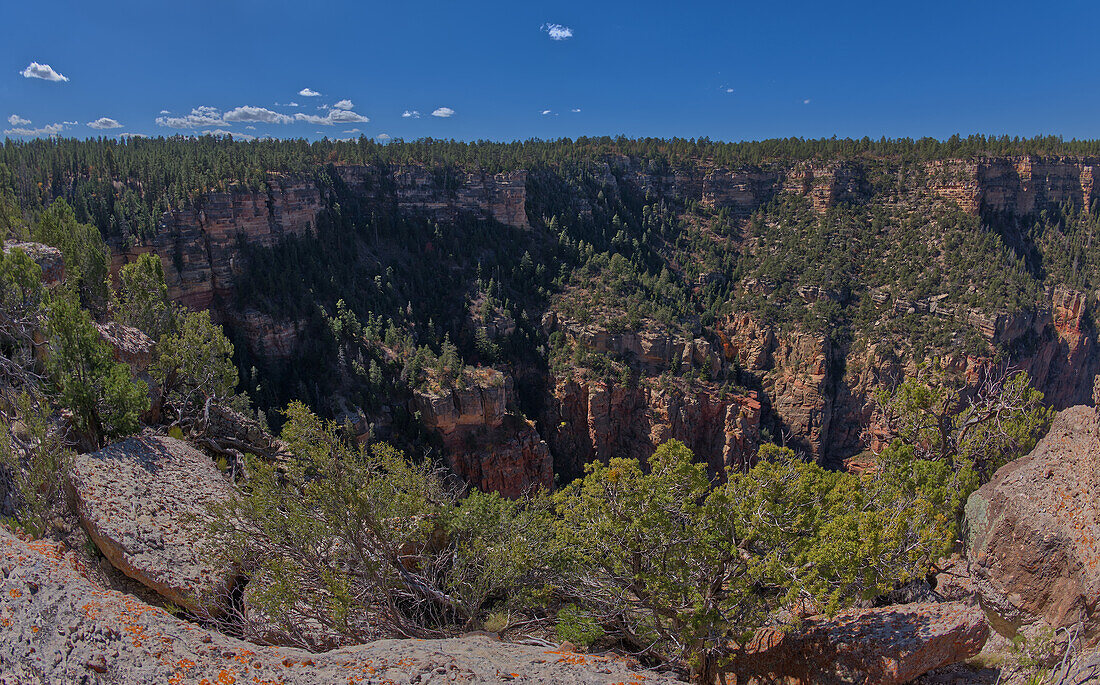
[[144, 501], [128, 344], [1032, 532], [57, 626], [884, 646], [48, 258]]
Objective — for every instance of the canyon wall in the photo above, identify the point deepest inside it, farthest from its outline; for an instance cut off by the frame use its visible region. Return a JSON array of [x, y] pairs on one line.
[[201, 245], [800, 387], [442, 196], [1015, 185]]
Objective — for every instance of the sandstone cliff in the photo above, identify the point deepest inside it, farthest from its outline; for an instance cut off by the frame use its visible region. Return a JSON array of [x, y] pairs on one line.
[[488, 445]]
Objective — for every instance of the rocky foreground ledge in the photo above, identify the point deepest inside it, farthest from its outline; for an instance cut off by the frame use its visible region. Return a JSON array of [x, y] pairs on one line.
[[60, 627]]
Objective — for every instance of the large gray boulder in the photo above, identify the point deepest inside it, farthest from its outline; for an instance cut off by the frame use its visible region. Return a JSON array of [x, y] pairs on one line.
[[1033, 532], [145, 502]]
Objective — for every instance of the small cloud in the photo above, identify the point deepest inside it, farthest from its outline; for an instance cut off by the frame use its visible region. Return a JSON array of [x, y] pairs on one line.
[[383, 136], [353, 130], [322, 106], [289, 104], [47, 130], [443, 112], [729, 90], [575, 110], [251, 127], [309, 93], [806, 101], [131, 135], [557, 31], [104, 123], [164, 111], [42, 71], [334, 116], [70, 123], [344, 104], [410, 114], [546, 111], [16, 120], [198, 118], [257, 114]]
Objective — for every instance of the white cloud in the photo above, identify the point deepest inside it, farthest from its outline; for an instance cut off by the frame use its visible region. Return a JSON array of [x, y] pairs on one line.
[[344, 104], [223, 132], [16, 120], [251, 127], [289, 104], [353, 130], [70, 123], [410, 114], [575, 110], [257, 114], [383, 136], [729, 90], [164, 111], [198, 118], [42, 71], [131, 135], [104, 123], [308, 93], [548, 112], [806, 101], [322, 106], [557, 31], [443, 112], [334, 116], [47, 130]]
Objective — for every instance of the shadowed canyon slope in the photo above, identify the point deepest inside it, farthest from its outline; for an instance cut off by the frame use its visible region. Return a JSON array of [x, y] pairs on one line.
[[721, 371]]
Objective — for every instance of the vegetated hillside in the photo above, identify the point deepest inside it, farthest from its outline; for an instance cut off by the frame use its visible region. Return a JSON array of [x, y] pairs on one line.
[[624, 292]]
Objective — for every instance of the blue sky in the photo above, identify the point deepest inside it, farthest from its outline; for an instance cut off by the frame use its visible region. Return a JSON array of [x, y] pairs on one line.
[[729, 70]]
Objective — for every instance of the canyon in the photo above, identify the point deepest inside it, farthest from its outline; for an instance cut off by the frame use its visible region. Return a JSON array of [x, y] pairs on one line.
[[804, 388]]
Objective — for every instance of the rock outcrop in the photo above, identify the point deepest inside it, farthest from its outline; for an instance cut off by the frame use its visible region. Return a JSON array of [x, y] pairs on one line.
[[57, 626], [885, 646], [593, 420], [144, 502], [128, 345], [49, 259], [1033, 532], [483, 441]]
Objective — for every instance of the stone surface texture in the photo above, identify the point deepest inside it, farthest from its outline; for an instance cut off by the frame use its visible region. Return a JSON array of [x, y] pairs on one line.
[[144, 503], [57, 627], [885, 646], [1033, 532]]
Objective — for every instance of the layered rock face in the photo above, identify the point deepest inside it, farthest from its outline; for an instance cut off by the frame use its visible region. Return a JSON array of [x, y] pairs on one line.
[[819, 394], [490, 447], [744, 190], [416, 190], [1014, 185], [199, 245], [588, 419], [57, 626], [1033, 532], [591, 420], [144, 503], [886, 646]]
